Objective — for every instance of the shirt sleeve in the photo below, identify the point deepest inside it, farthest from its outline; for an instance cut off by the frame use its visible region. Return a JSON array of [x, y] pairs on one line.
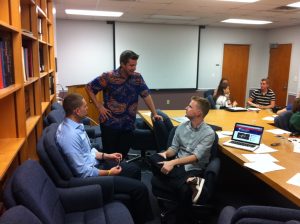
[[74, 151], [202, 150], [98, 84], [143, 89], [252, 96]]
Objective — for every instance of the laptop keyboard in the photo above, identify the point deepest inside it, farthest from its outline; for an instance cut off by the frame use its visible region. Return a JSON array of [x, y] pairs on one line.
[[242, 143]]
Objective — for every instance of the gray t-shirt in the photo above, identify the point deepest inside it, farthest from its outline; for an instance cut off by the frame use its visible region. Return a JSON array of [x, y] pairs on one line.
[[193, 141]]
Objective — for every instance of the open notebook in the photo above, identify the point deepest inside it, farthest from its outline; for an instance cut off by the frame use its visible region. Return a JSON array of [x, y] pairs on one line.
[[245, 136]]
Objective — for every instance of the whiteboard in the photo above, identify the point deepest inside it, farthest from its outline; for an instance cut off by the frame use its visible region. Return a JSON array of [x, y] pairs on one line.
[[168, 53]]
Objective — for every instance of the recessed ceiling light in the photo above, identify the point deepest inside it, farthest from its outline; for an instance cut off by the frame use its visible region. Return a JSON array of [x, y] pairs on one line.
[[93, 13], [246, 1], [296, 5], [246, 21]]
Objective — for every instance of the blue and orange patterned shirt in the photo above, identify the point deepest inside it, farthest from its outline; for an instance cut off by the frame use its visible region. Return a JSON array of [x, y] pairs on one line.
[[120, 94]]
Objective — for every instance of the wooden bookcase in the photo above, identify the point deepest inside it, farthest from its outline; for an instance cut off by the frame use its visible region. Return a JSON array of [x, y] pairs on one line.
[[24, 101]]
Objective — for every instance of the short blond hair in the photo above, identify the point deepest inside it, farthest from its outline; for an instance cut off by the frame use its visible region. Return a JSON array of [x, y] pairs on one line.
[[203, 104]]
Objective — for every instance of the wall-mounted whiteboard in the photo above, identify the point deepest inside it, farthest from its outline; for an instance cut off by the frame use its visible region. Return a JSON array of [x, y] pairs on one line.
[[84, 50], [168, 53]]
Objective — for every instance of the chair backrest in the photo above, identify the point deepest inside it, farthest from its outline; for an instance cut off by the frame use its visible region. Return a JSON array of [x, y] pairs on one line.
[[162, 129], [208, 93], [51, 157], [19, 214], [57, 106], [282, 120], [55, 116], [33, 189], [211, 101]]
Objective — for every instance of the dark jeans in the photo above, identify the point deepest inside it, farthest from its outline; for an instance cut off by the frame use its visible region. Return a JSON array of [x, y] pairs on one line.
[[116, 140], [130, 170], [173, 186], [140, 208]]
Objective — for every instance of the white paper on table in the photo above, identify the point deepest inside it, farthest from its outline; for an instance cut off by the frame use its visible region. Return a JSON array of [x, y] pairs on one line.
[[180, 119], [147, 113], [295, 180], [278, 131], [264, 167], [260, 157], [269, 118], [264, 149], [221, 135], [253, 109]]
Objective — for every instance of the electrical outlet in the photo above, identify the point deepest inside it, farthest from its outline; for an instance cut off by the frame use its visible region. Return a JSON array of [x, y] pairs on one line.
[[168, 101]]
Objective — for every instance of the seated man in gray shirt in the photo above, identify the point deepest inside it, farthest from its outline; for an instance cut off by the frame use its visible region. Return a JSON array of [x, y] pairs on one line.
[[86, 161], [190, 154]]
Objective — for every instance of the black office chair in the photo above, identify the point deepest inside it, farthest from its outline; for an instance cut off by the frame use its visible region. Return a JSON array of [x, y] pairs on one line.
[[143, 140], [168, 204], [259, 215], [162, 129], [208, 93], [211, 101]]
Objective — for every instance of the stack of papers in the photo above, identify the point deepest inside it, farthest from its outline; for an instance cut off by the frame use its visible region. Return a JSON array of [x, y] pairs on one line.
[[262, 162], [269, 118], [264, 149], [253, 109], [278, 131], [180, 119], [295, 180]]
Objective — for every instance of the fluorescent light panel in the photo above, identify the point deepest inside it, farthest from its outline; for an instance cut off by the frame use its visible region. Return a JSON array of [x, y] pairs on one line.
[[246, 21], [296, 5], [246, 1], [93, 13]]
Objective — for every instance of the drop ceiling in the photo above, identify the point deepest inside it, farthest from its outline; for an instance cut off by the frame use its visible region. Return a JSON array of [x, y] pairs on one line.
[[193, 12]]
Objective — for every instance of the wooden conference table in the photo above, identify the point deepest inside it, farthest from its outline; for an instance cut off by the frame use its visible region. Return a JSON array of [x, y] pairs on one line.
[[285, 155]]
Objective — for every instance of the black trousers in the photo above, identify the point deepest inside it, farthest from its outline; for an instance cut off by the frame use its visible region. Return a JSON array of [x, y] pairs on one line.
[[116, 140], [128, 182], [173, 187]]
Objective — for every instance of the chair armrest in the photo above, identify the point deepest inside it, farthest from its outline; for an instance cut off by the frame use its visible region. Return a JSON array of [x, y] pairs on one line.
[[266, 213], [226, 215], [82, 198], [106, 183], [90, 132]]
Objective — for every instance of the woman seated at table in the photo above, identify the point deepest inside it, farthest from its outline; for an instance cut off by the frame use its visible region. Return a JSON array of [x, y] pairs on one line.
[[222, 97], [295, 118]]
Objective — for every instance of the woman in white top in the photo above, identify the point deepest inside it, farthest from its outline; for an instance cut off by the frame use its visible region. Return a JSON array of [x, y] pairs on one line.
[[222, 97]]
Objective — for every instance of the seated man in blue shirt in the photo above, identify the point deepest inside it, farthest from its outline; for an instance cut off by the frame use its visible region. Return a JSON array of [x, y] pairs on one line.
[[85, 161]]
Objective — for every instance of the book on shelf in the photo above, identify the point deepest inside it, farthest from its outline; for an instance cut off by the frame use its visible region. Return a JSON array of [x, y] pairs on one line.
[[41, 58], [27, 60], [27, 103], [6, 59], [40, 29], [51, 84]]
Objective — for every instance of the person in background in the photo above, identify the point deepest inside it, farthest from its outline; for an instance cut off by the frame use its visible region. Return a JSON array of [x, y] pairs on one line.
[[222, 97], [263, 98], [121, 89], [86, 162], [295, 118], [223, 80], [185, 160]]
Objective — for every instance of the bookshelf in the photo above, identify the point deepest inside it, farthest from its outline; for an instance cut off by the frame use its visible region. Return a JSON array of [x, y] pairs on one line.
[[27, 78]]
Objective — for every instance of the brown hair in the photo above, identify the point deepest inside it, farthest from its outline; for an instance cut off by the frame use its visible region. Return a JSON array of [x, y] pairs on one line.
[[266, 80], [71, 102], [220, 90], [126, 55], [203, 104]]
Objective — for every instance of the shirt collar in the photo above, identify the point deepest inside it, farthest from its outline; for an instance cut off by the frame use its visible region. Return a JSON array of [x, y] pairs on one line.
[[197, 128], [74, 124]]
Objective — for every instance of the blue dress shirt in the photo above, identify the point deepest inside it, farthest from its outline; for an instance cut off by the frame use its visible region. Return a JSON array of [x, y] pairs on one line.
[[76, 148]]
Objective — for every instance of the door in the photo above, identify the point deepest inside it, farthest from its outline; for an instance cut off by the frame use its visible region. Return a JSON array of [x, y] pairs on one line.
[[279, 69], [235, 69]]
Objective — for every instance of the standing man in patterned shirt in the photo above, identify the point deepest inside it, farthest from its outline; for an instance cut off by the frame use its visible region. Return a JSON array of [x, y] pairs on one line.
[[263, 98], [121, 89]]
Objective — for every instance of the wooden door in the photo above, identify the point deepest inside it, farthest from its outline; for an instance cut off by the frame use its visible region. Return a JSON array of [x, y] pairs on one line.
[[279, 69], [235, 69]]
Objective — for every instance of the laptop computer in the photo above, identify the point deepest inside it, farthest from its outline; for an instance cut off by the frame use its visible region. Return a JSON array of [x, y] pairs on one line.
[[245, 136], [235, 109]]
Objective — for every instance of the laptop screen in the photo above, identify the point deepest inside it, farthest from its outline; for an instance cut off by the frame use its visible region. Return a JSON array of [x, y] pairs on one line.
[[247, 133]]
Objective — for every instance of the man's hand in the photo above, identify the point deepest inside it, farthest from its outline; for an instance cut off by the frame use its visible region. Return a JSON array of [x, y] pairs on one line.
[[104, 113], [167, 167], [157, 117], [115, 171], [114, 156]]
